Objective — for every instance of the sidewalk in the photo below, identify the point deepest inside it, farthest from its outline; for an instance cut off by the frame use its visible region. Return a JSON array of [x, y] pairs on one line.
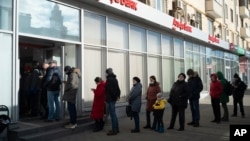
[[206, 132]]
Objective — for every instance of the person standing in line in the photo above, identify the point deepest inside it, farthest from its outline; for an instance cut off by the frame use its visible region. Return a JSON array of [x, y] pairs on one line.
[[97, 112], [178, 99], [134, 101], [224, 99], [159, 108], [44, 100], [53, 83], [153, 90], [215, 93], [196, 87], [238, 94], [112, 94], [70, 92]]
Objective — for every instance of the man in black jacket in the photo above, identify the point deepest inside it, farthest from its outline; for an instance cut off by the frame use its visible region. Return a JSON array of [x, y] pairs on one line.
[[112, 93], [196, 87]]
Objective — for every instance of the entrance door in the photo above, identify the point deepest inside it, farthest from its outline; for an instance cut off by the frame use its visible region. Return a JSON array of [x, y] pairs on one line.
[[228, 73]]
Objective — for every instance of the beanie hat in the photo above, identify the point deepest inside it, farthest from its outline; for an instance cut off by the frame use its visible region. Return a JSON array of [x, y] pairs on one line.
[[190, 72], [109, 71], [182, 75], [67, 68], [159, 96], [236, 75]]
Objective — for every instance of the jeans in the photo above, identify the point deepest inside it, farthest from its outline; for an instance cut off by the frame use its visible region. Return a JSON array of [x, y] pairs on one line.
[[136, 120], [194, 106], [72, 112], [53, 97], [114, 120]]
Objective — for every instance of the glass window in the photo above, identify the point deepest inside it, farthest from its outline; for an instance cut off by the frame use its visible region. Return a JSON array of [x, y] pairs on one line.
[[178, 67], [199, 20], [154, 42], [167, 72], [178, 48], [203, 49], [189, 60], [90, 72], [232, 15], [226, 11], [196, 47], [154, 68], [94, 29], [166, 45], [6, 14], [49, 19], [117, 61], [117, 34], [189, 46], [196, 62], [203, 73], [210, 27], [6, 74], [137, 39]]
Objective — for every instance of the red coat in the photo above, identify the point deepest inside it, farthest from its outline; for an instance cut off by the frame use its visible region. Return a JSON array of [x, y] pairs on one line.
[[215, 88], [99, 102], [153, 90]]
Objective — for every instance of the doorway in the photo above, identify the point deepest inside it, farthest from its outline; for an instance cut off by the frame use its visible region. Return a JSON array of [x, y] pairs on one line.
[[32, 53]]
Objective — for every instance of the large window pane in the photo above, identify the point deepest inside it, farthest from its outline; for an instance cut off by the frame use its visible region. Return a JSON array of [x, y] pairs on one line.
[[178, 67], [189, 46], [6, 73], [117, 61], [117, 34], [6, 14], [154, 67], [154, 42], [203, 74], [189, 60], [167, 72], [196, 61], [178, 48], [45, 18], [90, 72], [137, 39], [166, 45]]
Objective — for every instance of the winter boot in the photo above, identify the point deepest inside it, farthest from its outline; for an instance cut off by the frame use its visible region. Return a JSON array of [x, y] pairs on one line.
[[161, 130]]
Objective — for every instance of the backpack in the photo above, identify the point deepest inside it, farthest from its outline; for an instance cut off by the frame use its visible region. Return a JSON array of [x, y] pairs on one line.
[[55, 82], [228, 89], [243, 86]]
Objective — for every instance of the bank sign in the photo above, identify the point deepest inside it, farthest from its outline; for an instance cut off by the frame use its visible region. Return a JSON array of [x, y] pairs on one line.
[[150, 14]]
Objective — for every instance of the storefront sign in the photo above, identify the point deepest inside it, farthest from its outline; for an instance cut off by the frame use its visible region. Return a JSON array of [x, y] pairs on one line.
[[182, 26], [213, 39], [127, 3], [237, 49]]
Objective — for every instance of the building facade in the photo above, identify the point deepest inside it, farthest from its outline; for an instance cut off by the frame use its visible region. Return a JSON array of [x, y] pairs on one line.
[[135, 38]]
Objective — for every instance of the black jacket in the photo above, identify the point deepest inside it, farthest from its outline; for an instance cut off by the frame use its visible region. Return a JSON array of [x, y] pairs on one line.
[[238, 92], [179, 94], [112, 90], [196, 87]]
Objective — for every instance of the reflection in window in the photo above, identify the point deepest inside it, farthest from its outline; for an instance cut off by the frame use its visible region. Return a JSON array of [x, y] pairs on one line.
[[154, 42], [137, 40], [178, 48], [117, 34], [167, 73], [6, 14], [50, 19], [166, 45]]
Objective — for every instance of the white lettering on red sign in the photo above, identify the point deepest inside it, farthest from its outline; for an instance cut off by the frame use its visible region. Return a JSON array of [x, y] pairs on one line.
[[182, 26], [213, 39], [128, 3]]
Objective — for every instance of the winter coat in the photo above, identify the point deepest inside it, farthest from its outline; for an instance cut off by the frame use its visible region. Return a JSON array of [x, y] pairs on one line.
[[35, 84], [215, 88], [153, 90], [134, 98], [224, 97], [160, 104], [179, 94], [112, 89], [239, 89], [71, 86], [99, 102], [51, 71], [196, 87]]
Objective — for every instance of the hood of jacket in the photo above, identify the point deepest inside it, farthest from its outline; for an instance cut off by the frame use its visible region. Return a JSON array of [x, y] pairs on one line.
[[214, 75], [220, 75], [77, 71]]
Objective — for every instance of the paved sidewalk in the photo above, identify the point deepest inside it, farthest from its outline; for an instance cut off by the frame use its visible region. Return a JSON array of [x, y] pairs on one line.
[[208, 131]]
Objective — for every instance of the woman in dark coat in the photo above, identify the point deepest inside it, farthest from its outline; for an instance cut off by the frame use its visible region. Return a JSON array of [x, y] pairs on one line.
[[153, 90], [178, 98], [97, 112], [134, 100]]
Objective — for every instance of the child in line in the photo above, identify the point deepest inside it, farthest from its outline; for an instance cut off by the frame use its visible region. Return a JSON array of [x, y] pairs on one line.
[[159, 108]]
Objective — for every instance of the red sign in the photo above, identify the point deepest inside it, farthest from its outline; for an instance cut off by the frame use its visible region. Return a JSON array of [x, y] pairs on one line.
[[182, 26], [213, 39], [128, 3]]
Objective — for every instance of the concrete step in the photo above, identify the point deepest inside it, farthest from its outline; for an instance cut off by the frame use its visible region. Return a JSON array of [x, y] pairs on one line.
[[37, 129], [55, 133]]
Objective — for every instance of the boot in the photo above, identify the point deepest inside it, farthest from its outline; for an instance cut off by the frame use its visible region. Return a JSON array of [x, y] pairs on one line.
[[161, 130], [101, 124], [96, 128]]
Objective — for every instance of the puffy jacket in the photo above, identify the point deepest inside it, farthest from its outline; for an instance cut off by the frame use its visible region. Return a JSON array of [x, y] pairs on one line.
[[153, 90], [51, 71], [196, 87], [112, 89], [134, 98], [160, 104], [215, 88], [224, 97]]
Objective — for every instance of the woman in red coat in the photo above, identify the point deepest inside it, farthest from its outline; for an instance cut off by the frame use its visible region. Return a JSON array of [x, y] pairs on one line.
[[215, 93], [153, 90], [97, 112]]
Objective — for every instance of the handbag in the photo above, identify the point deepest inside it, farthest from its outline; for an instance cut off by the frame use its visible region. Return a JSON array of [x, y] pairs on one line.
[[129, 111]]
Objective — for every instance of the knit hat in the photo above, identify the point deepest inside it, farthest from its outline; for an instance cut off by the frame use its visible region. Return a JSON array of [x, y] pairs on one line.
[[236, 75], [190, 72], [159, 96], [67, 68], [109, 71], [182, 75]]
